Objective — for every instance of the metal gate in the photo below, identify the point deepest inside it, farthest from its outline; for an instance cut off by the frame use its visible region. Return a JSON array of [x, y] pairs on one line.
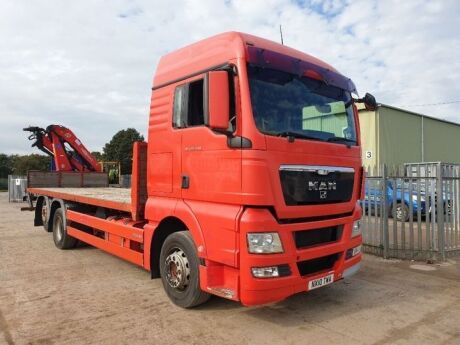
[[17, 188], [412, 211]]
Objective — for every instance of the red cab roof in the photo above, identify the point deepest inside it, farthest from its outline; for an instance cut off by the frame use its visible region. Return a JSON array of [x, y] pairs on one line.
[[217, 50]]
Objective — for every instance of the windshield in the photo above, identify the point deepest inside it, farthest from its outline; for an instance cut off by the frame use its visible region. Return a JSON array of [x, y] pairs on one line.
[[286, 104]]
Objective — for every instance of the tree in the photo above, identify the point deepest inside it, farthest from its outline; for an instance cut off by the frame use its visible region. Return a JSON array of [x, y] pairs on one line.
[[6, 165], [120, 148], [22, 164], [19, 165], [97, 155]]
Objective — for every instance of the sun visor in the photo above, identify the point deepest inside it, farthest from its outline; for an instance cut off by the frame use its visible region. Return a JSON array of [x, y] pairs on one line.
[[270, 59]]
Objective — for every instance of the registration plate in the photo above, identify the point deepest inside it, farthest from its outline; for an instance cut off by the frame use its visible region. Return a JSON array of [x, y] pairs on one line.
[[319, 282]]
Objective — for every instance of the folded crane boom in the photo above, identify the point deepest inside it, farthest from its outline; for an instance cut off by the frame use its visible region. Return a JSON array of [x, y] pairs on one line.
[[67, 151]]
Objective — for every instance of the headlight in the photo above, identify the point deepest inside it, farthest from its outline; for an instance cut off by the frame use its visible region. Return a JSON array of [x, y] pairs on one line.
[[356, 228], [264, 243], [414, 198]]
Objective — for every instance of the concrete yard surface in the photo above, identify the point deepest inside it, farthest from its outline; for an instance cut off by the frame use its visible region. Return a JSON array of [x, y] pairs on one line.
[[85, 296]]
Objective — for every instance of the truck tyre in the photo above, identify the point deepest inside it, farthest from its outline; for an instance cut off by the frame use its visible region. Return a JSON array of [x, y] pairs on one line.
[[400, 212], [179, 269], [61, 239]]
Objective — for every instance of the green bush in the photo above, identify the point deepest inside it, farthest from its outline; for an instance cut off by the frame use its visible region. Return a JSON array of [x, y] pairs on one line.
[[3, 184]]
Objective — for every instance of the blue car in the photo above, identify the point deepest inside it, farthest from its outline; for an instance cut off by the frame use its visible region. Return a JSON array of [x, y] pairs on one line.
[[399, 208]]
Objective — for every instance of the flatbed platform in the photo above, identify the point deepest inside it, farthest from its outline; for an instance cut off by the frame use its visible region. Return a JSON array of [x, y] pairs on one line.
[[113, 198]]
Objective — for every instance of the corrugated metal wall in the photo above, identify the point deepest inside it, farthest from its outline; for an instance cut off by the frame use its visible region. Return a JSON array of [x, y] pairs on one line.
[[394, 136], [399, 137], [441, 141]]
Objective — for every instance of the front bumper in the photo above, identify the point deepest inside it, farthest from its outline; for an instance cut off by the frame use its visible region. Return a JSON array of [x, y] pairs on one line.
[[255, 291]]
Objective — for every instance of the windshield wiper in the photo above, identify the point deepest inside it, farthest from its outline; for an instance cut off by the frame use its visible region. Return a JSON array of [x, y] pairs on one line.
[[291, 135], [338, 139]]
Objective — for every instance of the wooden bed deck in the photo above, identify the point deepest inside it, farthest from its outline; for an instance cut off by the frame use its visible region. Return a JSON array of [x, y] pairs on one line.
[[114, 198]]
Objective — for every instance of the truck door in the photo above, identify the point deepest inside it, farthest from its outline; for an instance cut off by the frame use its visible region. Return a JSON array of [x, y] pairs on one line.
[[211, 170]]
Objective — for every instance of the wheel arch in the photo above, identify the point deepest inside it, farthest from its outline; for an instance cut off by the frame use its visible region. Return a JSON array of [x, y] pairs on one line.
[[55, 204], [38, 210], [165, 217], [166, 227]]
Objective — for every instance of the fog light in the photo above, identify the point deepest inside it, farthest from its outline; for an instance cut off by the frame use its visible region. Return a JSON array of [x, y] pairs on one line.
[[353, 252], [356, 228], [265, 272], [356, 251], [283, 270]]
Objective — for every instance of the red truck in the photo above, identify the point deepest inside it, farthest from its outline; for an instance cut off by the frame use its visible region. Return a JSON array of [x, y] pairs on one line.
[[248, 186]]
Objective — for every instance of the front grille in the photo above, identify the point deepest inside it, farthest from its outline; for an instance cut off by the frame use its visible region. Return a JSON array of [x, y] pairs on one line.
[[313, 218], [309, 185], [308, 238], [317, 265]]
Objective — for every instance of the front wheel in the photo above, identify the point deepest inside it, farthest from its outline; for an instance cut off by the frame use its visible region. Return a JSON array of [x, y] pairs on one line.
[[179, 268], [401, 212]]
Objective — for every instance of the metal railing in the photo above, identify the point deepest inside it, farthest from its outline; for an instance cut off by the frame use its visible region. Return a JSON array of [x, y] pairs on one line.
[[412, 213]]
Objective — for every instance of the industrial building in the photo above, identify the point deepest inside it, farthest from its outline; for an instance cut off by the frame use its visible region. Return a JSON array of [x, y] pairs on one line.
[[394, 136]]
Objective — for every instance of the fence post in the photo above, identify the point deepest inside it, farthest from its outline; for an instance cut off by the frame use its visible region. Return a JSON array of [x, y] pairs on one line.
[[384, 215], [440, 211], [9, 188]]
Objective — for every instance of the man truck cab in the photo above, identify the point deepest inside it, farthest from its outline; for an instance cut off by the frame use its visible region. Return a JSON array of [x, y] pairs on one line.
[[259, 143]]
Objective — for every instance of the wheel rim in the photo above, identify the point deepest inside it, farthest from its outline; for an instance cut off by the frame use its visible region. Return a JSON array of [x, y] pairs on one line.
[[59, 231], [400, 213], [44, 212], [177, 269]]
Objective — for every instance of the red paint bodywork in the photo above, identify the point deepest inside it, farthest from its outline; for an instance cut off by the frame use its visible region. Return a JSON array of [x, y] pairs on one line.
[[232, 191]]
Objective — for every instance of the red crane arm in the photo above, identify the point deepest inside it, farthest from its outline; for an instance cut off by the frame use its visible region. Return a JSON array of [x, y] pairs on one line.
[[67, 151]]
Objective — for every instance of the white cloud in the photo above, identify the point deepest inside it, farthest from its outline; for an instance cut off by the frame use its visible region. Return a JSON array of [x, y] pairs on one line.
[[89, 64]]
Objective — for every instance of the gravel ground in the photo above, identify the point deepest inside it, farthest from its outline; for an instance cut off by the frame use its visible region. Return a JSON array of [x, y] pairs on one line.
[[83, 296]]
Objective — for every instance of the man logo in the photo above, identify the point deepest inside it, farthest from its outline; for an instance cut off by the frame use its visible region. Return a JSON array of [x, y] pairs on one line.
[[322, 185], [322, 194]]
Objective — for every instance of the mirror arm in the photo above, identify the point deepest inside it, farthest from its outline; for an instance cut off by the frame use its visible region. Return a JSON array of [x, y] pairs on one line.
[[222, 131]]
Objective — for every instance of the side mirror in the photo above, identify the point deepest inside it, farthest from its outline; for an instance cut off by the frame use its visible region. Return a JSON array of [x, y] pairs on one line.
[[369, 102], [218, 99]]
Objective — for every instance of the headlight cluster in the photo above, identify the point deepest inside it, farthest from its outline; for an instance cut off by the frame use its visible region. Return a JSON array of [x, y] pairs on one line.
[[264, 243]]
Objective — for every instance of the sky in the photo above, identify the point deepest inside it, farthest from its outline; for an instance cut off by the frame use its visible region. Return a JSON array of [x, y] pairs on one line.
[[89, 64]]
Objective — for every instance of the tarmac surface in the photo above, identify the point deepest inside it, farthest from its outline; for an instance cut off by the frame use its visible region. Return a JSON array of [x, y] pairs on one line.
[[86, 296]]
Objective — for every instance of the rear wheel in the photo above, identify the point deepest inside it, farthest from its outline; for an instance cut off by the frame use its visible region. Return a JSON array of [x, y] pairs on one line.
[[61, 239], [401, 212], [179, 269]]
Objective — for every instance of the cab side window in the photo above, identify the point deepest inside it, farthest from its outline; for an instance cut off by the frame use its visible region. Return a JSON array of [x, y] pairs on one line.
[[189, 106]]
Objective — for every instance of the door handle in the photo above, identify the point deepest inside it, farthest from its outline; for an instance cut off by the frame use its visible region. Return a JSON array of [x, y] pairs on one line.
[[185, 181]]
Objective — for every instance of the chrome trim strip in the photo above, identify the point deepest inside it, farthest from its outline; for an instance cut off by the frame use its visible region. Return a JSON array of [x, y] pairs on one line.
[[315, 168]]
